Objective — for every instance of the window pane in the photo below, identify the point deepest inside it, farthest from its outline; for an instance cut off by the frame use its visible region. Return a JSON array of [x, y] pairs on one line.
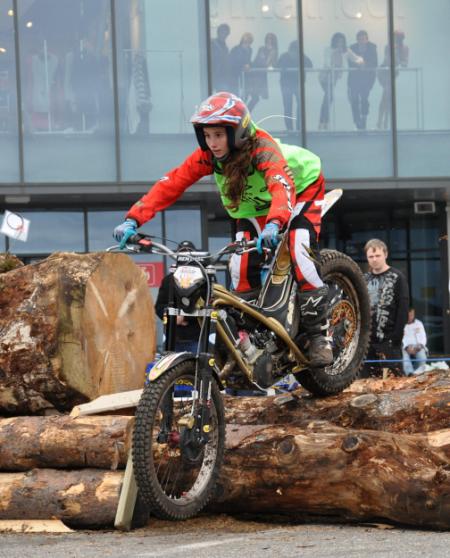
[[162, 77], [9, 161], [184, 224], [101, 225], [51, 231], [262, 65], [67, 94], [422, 89], [426, 297], [347, 98]]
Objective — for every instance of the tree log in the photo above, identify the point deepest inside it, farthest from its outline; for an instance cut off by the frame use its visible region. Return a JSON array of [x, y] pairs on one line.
[[346, 474], [8, 262], [83, 498], [64, 442], [313, 461], [406, 405], [72, 327]]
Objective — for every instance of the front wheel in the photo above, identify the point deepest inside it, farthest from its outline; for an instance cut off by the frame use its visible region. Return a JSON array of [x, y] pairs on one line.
[[175, 465], [349, 330]]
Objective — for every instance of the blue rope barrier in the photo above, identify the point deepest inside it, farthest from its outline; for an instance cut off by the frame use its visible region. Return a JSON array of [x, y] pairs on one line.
[[443, 359]]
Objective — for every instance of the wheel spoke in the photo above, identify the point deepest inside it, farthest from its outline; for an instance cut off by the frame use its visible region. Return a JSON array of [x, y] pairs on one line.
[[176, 471]]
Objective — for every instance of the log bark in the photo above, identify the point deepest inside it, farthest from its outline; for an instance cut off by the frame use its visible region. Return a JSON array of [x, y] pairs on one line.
[[83, 498], [312, 462], [403, 405], [343, 474], [8, 262], [64, 442], [72, 327]]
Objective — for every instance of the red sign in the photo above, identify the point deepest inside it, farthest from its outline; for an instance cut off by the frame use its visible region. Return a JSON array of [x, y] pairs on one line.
[[154, 272]]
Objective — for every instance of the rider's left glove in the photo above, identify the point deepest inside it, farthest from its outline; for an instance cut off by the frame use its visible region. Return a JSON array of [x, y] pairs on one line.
[[123, 232], [268, 236]]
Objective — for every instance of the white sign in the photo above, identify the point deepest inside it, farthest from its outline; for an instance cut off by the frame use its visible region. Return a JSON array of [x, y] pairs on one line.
[[15, 226]]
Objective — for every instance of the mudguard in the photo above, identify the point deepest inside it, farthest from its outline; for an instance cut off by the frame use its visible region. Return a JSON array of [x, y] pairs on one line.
[[167, 362]]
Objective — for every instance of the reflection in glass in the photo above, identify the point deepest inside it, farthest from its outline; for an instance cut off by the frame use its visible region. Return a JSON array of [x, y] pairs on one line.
[[342, 92], [101, 225], [67, 96], [220, 59], [263, 61], [9, 160], [288, 64], [401, 54], [51, 231], [160, 82], [184, 224], [426, 297], [422, 107]]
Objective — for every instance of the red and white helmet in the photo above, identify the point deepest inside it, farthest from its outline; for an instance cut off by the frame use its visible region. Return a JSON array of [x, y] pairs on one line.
[[223, 109]]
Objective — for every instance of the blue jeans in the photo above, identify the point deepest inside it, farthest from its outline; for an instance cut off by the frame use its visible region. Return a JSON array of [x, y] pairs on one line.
[[411, 363]]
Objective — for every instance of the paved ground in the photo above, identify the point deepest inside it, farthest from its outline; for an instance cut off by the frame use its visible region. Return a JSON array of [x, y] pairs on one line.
[[225, 537]]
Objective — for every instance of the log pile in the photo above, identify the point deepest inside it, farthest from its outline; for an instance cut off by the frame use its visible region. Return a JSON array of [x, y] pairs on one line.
[[72, 327], [75, 327], [380, 451], [63, 467]]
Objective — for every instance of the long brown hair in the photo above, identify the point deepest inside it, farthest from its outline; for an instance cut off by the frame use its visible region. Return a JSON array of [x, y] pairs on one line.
[[235, 171]]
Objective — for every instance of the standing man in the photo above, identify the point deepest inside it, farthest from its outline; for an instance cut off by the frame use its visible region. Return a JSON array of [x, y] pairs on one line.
[[220, 59], [361, 78], [389, 303]]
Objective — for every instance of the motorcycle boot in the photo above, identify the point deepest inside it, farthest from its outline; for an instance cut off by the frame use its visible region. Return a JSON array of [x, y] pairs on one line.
[[313, 308]]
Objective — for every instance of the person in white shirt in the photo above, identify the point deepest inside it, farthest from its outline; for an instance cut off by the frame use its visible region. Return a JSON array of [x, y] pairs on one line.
[[414, 345]]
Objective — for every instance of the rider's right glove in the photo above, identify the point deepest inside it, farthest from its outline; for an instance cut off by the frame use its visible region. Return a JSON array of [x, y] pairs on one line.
[[123, 232], [268, 236]]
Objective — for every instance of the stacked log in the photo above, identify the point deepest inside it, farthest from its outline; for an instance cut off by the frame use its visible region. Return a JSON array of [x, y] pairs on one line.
[[72, 327], [380, 452], [63, 467]]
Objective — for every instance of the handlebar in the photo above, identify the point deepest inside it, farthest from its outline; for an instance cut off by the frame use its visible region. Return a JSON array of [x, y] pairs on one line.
[[143, 243]]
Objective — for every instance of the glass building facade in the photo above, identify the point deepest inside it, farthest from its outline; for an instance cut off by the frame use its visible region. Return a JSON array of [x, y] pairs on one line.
[[96, 96]]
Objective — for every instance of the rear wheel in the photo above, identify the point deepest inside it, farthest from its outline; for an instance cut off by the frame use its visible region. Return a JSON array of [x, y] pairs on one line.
[[175, 470], [349, 325]]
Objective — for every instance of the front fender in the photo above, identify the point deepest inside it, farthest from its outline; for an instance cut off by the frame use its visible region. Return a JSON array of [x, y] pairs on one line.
[[167, 362]]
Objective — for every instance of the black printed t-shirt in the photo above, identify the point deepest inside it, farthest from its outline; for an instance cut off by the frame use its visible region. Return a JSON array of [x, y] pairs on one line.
[[389, 303]]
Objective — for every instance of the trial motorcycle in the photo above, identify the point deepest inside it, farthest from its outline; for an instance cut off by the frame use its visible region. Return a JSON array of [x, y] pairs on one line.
[[179, 431]]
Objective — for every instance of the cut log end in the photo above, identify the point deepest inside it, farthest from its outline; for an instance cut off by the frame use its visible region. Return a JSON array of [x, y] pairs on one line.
[[73, 327]]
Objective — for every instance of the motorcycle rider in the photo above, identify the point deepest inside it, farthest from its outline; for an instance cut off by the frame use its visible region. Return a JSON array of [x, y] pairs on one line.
[[267, 187]]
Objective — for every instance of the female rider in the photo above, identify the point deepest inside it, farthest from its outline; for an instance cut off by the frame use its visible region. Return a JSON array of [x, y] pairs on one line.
[[267, 187]]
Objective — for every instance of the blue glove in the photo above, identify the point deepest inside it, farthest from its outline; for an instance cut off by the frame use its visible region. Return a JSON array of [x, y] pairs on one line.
[[123, 232], [268, 237]]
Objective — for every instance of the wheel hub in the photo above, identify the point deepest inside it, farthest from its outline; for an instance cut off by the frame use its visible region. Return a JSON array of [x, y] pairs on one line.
[[343, 321], [173, 439]]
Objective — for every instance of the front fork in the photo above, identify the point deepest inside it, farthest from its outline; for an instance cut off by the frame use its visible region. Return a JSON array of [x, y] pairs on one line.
[[205, 364], [194, 426]]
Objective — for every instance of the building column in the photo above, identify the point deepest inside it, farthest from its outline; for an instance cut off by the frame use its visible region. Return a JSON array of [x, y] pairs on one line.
[[446, 297]]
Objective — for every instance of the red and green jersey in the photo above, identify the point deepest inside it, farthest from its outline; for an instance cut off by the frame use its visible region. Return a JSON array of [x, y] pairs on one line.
[[277, 174]]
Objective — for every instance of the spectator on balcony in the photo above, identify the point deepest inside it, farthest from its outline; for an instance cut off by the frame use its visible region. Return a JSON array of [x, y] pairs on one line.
[[361, 78], [220, 59], [266, 58], [289, 82], [401, 53], [334, 57], [240, 60]]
